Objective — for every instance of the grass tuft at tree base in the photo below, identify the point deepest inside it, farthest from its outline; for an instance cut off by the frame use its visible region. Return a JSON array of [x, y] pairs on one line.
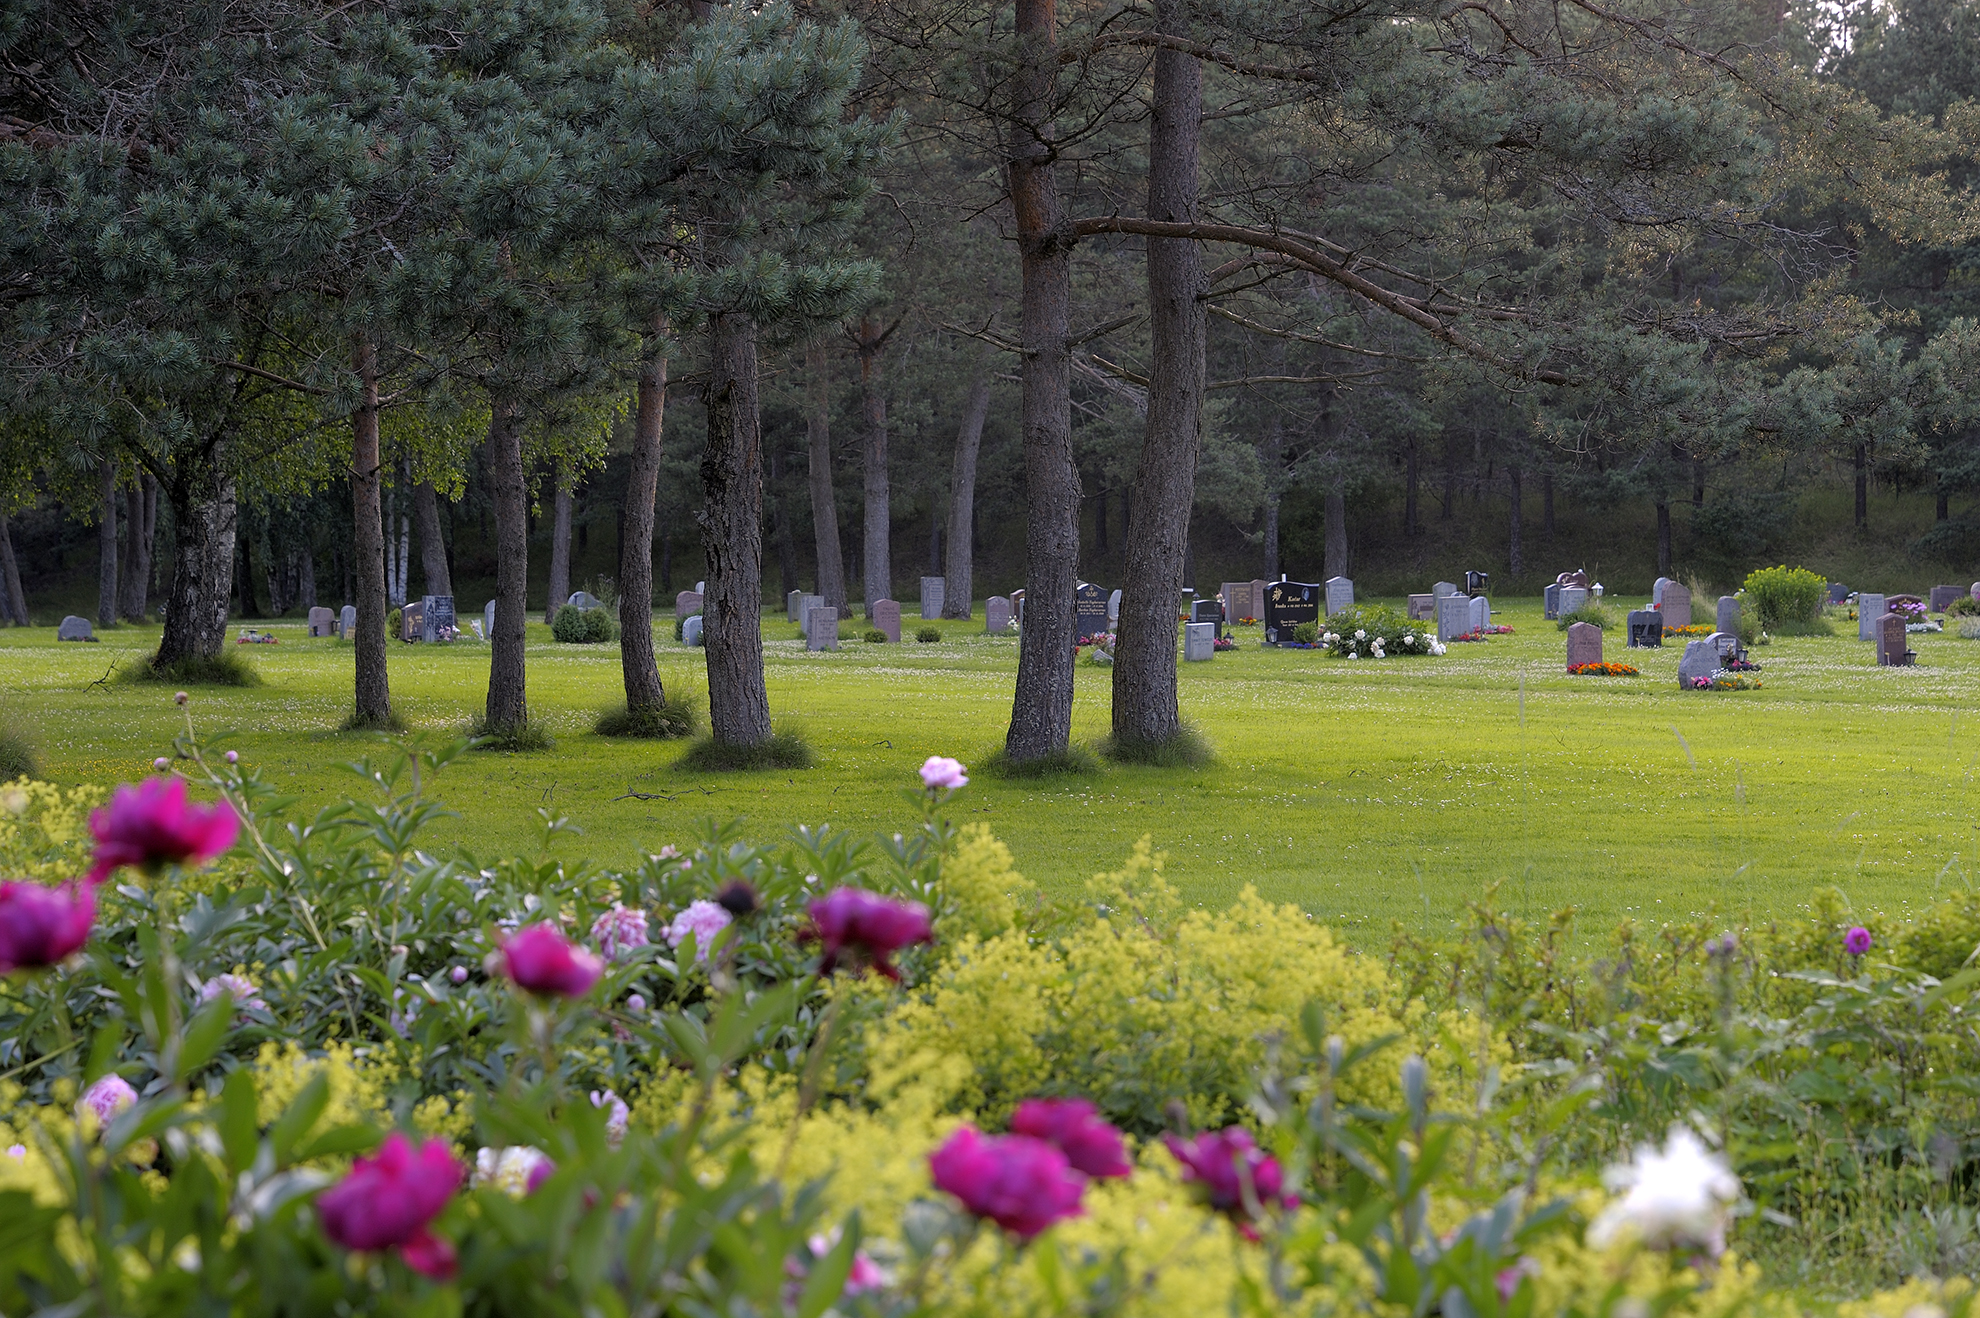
[[1075, 761], [784, 750], [392, 722], [17, 757], [677, 717], [228, 668], [1188, 749], [514, 737]]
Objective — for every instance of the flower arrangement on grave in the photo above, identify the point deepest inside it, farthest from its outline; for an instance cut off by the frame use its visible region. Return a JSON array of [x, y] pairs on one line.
[[1723, 679], [1098, 650], [1374, 632], [1247, 622], [1604, 670], [1741, 666], [1695, 629], [1475, 634], [1496, 629], [1910, 610], [250, 636], [1224, 643]]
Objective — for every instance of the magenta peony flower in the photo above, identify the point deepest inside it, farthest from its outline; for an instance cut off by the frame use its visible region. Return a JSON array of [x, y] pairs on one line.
[[1022, 1184], [39, 926], [388, 1200], [703, 919], [1857, 941], [541, 960], [1073, 1127], [618, 931], [864, 928], [152, 825], [1222, 1162], [458, 974], [941, 773], [107, 1098]]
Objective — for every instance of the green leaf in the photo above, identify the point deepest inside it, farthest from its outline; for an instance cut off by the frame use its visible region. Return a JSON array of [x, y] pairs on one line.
[[827, 1281], [203, 1037], [240, 1119]]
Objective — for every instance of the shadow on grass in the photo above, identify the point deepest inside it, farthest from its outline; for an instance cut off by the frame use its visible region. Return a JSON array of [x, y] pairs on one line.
[[784, 750], [1188, 749], [225, 669], [673, 719], [1075, 761]]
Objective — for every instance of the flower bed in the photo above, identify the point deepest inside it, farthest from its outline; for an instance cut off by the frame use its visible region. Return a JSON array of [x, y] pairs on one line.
[[1725, 679], [1604, 670], [1695, 629]]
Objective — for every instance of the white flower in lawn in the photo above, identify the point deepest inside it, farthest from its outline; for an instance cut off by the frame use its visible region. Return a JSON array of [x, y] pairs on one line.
[[1361, 636], [1676, 1198]]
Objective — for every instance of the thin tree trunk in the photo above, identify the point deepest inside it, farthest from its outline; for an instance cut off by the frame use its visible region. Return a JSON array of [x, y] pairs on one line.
[[106, 542], [959, 568], [1698, 482], [1663, 537], [1943, 510], [250, 606], [732, 531], [780, 522], [824, 504], [1547, 505], [130, 575], [1411, 464], [1337, 537], [1862, 487], [1275, 472], [878, 523], [1147, 710], [1100, 522], [508, 680], [372, 706], [1450, 481], [560, 543], [432, 547], [1515, 555], [1041, 708], [636, 662], [10, 570]]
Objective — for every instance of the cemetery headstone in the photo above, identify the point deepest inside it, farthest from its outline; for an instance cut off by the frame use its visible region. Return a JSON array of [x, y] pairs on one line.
[[347, 621], [1453, 616], [74, 629], [1943, 596], [701, 588], [1701, 659], [1646, 629], [1838, 592], [1199, 641], [1657, 590], [1550, 600], [1578, 577], [322, 622], [996, 615], [1114, 611], [1728, 618], [1481, 613], [584, 601], [690, 601], [1584, 645], [1287, 605], [693, 630], [479, 634], [1340, 595], [1443, 588], [1728, 643], [489, 617], [412, 621], [1892, 601], [1017, 607], [1573, 599], [934, 591], [821, 632], [1257, 600], [1422, 608], [1677, 605], [1892, 652], [436, 613], [805, 606], [1868, 609], [1237, 600], [887, 618], [1974, 591], [791, 603], [1089, 613], [1208, 611], [1477, 583]]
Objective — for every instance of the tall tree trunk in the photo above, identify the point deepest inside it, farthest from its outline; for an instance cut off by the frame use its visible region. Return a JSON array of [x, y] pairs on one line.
[[732, 531], [1515, 554], [959, 568], [1698, 482], [372, 706], [130, 576], [1663, 536], [1450, 481], [1041, 708], [10, 576], [560, 542], [106, 542], [1274, 454], [203, 517], [1547, 505], [879, 520], [250, 606], [636, 662], [433, 568], [824, 503], [1337, 537], [1862, 487], [1943, 509], [1100, 522], [1147, 710], [1412, 527], [780, 523], [508, 679]]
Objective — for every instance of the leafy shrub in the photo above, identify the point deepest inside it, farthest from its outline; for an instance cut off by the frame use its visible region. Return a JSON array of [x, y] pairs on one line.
[[1964, 607], [575, 626], [1306, 633], [928, 635], [1785, 596], [875, 637], [1598, 614], [395, 623], [677, 716], [1969, 629]]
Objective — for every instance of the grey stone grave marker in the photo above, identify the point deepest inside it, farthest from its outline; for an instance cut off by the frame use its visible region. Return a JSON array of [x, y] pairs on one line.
[[996, 615], [1943, 596], [822, 630], [74, 629], [1422, 608], [693, 631], [1443, 588], [1657, 590], [1701, 659], [887, 618], [1573, 598], [489, 617], [933, 591], [1584, 645], [347, 621], [1838, 592], [1257, 600], [1453, 616], [322, 622], [1199, 641], [1550, 600], [436, 613], [584, 601], [1728, 616], [1114, 611], [1677, 605], [688, 602], [791, 603], [1340, 595], [1868, 609], [1481, 613]]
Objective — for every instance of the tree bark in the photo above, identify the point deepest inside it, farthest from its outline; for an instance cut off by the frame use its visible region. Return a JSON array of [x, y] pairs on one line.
[[106, 542], [636, 662], [1041, 708], [432, 546], [958, 569], [878, 523], [560, 543], [1942, 510], [130, 582], [250, 606], [1547, 506], [1515, 553], [1337, 537], [10, 570], [508, 680], [824, 503], [1275, 470], [372, 705], [1147, 710], [732, 532], [1862, 487], [1698, 482], [1412, 527], [1663, 537], [203, 516]]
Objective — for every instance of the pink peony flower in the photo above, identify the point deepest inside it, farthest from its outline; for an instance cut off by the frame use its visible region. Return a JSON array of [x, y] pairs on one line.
[[1222, 1164], [238, 987], [388, 1201], [39, 926], [864, 1276], [865, 928], [1857, 941], [703, 919], [541, 960], [458, 974], [1073, 1126], [152, 824], [618, 931], [941, 773], [108, 1097], [618, 1117], [1022, 1184]]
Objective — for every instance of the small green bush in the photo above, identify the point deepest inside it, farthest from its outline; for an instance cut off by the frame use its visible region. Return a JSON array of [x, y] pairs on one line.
[[17, 757], [516, 737], [875, 637], [1963, 607], [228, 668], [1307, 633], [575, 626], [928, 635], [676, 717], [1785, 596], [394, 624], [1595, 613], [784, 750], [1969, 629]]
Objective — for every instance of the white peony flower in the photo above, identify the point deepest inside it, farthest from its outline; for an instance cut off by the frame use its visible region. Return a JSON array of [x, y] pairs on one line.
[[1361, 636], [512, 1170], [1677, 1198]]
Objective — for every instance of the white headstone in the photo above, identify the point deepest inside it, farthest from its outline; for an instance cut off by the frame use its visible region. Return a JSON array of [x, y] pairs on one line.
[[1573, 598], [1657, 591], [1340, 595], [1444, 588], [1114, 610], [1199, 641], [791, 603], [805, 606], [1453, 616], [996, 615], [933, 591], [74, 629], [692, 629], [347, 621], [585, 601], [488, 615], [821, 630], [1481, 613], [1868, 609], [322, 622], [701, 588]]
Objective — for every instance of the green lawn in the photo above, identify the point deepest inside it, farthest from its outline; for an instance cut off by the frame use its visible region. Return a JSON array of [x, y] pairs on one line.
[[1366, 791]]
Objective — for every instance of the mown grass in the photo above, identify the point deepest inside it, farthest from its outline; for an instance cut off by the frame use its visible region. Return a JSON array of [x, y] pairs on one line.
[[1368, 792]]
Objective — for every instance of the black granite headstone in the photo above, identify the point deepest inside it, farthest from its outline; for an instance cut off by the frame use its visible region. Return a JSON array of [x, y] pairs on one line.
[[1476, 583], [1089, 613], [1208, 611], [437, 611], [1287, 605], [1646, 629]]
